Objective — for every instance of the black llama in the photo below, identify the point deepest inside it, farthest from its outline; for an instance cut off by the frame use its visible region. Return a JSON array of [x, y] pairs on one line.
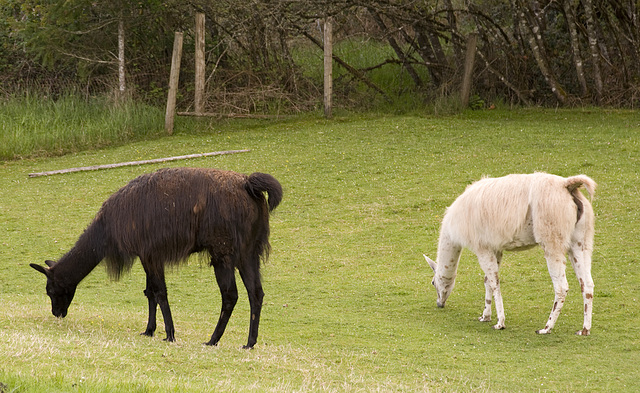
[[162, 218]]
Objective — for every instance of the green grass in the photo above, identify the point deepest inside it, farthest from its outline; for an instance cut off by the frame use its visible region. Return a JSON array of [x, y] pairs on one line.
[[349, 305], [35, 126]]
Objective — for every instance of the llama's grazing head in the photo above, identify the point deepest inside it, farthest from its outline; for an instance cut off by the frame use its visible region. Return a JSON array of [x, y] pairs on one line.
[[442, 283], [61, 295]]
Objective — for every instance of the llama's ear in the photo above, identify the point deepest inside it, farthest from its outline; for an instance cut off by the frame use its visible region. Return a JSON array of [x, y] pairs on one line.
[[50, 263], [431, 263], [41, 269]]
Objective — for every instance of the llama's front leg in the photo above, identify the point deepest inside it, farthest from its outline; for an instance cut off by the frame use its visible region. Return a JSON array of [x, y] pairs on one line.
[[490, 264], [557, 266], [581, 261]]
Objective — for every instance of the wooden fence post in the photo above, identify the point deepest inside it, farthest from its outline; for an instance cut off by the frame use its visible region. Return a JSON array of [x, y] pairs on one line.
[[328, 70], [200, 64], [173, 83], [468, 69], [122, 85]]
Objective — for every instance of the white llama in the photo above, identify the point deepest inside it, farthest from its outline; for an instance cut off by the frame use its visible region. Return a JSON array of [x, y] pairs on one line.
[[513, 213]]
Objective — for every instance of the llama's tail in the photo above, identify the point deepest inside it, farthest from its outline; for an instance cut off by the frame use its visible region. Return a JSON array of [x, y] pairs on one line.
[[574, 182], [259, 183]]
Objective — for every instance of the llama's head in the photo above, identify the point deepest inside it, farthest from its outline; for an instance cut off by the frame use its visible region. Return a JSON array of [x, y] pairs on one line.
[[442, 283], [61, 295]]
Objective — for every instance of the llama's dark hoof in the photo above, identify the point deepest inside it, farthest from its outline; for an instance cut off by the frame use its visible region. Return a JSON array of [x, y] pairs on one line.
[[147, 333], [249, 345], [170, 339], [211, 343]]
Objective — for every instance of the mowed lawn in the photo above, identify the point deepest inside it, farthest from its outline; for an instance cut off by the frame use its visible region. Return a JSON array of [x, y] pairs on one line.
[[349, 305]]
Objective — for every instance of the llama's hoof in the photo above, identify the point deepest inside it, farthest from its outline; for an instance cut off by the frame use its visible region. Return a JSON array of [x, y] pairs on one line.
[[498, 327], [484, 319], [247, 347], [147, 333], [211, 343], [546, 330], [583, 332]]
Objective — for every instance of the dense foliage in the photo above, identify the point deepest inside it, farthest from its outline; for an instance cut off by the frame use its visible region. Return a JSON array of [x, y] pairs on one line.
[[529, 52]]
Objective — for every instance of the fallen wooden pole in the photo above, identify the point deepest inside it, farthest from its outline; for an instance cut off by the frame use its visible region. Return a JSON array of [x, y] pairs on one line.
[[231, 115], [155, 160]]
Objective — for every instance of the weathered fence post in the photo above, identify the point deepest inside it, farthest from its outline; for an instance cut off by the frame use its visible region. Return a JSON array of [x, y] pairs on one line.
[[328, 63], [200, 64], [122, 86], [468, 69], [173, 83]]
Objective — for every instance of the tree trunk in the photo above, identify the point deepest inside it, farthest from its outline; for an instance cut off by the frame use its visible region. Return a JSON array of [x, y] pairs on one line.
[[399, 52], [627, 53], [532, 28], [428, 55], [503, 79], [569, 13], [441, 58], [453, 26], [593, 47]]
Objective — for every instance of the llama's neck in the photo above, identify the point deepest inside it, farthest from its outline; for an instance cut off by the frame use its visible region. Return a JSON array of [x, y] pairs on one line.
[[85, 255], [448, 257]]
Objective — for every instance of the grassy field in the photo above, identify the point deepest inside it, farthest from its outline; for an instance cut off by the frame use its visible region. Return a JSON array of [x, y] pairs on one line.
[[348, 306]]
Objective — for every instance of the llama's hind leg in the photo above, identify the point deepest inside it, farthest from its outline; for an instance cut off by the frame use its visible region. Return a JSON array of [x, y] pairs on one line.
[[251, 278], [225, 276], [556, 263], [581, 261], [490, 264]]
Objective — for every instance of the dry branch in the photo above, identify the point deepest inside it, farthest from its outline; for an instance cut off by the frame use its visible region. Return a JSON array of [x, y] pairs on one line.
[[130, 163]]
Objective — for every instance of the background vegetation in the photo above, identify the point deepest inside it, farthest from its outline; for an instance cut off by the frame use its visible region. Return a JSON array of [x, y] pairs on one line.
[[349, 305], [584, 52], [34, 125]]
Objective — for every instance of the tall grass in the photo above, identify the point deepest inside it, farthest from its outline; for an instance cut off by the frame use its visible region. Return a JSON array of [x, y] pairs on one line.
[[33, 125]]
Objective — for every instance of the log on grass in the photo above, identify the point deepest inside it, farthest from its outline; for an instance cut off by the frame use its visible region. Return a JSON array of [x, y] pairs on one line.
[[130, 163], [231, 115]]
